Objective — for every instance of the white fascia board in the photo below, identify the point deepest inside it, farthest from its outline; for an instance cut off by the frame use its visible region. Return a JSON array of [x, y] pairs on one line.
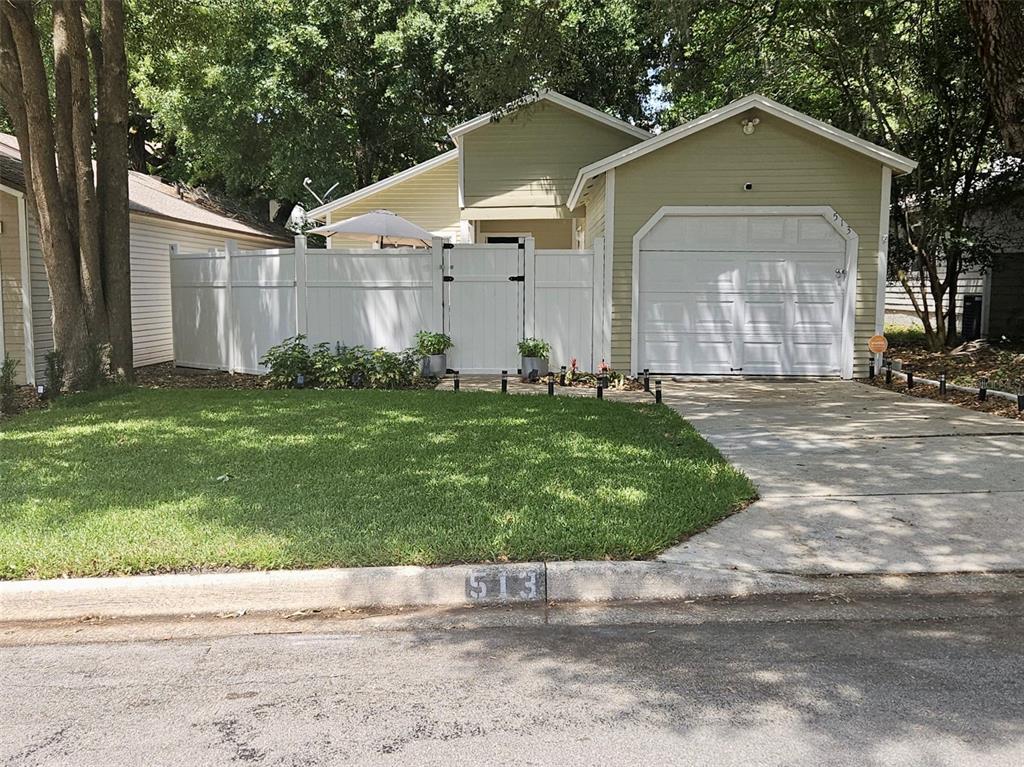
[[888, 158], [366, 191], [563, 101]]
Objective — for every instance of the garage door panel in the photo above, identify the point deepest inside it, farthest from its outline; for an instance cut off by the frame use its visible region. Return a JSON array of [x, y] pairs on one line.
[[688, 313], [765, 315], [691, 272], [786, 355], [713, 233], [813, 316], [672, 353]]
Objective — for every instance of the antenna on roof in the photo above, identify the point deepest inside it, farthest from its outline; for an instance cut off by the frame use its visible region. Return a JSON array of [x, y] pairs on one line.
[[306, 183]]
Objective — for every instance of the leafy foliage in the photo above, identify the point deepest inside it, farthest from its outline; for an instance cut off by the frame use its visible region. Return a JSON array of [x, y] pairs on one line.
[[343, 367], [428, 343], [8, 370], [56, 372], [534, 347]]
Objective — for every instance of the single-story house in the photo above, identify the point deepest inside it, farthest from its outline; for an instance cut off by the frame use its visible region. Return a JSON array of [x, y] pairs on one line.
[[160, 216], [750, 240], [990, 303]]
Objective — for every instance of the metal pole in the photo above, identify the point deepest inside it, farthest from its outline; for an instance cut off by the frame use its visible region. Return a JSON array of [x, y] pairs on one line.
[[657, 390]]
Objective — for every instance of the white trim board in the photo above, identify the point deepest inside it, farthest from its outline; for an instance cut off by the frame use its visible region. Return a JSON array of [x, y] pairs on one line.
[[883, 256], [555, 98], [885, 156], [379, 186], [28, 329], [835, 221]]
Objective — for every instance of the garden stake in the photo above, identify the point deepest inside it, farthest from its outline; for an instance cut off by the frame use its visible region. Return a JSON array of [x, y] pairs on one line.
[[600, 390], [910, 377], [647, 379], [982, 389], [504, 382], [456, 380], [942, 384], [888, 372], [657, 390], [561, 376], [551, 384]]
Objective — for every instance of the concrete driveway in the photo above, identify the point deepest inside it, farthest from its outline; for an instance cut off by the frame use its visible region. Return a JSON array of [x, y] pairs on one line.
[[855, 479]]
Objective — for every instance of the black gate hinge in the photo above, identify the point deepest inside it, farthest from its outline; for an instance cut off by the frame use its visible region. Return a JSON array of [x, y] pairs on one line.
[[448, 246], [517, 278], [448, 278]]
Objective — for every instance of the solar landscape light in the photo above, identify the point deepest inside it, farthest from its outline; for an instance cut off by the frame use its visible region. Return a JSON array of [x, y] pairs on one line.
[[504, 382], [982, 389], [942, 384], [657, 390]]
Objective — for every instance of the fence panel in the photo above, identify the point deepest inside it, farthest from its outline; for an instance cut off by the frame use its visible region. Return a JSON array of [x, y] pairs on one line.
[[199, 309], [564, 305], [371, 298], [263, 304]]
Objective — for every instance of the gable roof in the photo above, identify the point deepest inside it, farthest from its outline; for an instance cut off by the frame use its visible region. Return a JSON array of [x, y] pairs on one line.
[[897, 162], [152, 196], [554, 97], [366, 191]]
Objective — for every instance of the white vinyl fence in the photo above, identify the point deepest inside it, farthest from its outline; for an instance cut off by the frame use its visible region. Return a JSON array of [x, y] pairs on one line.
[[230, 306]]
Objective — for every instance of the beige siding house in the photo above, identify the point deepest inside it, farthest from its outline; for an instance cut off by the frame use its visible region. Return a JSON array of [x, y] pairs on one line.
[[159, 217], [750, 240]]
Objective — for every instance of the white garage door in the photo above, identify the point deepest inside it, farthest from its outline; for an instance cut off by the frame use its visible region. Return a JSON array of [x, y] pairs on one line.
[[741, 294]]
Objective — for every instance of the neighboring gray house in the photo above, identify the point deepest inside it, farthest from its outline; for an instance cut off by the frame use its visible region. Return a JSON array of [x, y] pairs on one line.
[[990, 304], [160, 216]]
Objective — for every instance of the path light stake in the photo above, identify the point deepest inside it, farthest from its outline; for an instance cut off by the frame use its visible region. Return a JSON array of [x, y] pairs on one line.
[[561, 376], [982, 389], [657, 390], [1020, 397], [871, 370], [604, 381], [600, 390], [888, 372], [551, 384], [504, 382], [910, 376], [942, 384], [456, 380], [647, 379]]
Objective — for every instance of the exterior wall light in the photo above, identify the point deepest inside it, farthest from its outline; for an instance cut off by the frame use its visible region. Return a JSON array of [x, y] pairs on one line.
[[750, 124]]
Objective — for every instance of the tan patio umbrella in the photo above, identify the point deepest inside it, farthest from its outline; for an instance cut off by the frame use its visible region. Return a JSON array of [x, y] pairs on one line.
[[380, 226]]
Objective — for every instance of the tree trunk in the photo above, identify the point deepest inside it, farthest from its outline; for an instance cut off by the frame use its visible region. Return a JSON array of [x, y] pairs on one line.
[[999, 25], [112, 181], [30, 109]]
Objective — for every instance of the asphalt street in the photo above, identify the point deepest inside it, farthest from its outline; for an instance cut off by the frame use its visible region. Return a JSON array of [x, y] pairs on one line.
[[937, 685]]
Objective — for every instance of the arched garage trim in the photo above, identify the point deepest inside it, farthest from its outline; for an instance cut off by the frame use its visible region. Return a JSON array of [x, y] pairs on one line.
[[824, 211]]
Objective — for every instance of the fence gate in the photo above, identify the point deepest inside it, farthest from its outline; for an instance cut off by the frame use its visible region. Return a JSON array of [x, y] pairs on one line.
[[484, 293]]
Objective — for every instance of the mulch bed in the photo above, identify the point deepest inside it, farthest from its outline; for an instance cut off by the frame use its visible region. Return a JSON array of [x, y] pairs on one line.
[[627, 384], [167, 376], [1002, 364], [994, 405], [25, 399]]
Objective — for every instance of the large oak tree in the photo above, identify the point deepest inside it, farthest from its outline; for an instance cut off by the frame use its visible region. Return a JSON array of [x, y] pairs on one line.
[[74, 149]]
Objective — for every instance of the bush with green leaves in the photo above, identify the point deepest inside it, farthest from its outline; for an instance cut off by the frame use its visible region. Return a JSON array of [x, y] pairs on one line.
[[286, 361], [534, 347], [8, 370], [343, 367], [429, 344], [92, 369], [56, 373]]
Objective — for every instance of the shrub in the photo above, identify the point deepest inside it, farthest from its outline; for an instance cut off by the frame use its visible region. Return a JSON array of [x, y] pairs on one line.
[[56, 373], [92, 369], [8, 370], [344, 367], [286, 361], [534, 347], [428, 344]]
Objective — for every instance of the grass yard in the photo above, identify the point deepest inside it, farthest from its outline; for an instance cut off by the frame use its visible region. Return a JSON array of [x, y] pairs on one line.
[[165, 480]]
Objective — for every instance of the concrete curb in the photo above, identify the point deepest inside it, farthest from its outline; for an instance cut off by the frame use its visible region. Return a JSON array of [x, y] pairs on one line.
[[362, 588]]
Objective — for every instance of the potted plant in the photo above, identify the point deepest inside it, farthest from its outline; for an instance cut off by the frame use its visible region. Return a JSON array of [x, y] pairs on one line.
[[535, 353], [432, 347]]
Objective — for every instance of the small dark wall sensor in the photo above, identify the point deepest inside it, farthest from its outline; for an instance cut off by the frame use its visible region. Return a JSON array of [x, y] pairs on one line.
[[748, 187]]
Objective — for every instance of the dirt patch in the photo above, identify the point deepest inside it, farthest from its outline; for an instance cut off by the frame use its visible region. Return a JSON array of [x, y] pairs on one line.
[[994, 405], [167, 376]]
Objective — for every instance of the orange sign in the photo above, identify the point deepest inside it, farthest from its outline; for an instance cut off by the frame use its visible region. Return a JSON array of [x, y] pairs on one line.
[[878, 344]]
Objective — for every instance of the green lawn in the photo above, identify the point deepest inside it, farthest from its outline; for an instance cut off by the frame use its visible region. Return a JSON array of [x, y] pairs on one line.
[[161, 480]]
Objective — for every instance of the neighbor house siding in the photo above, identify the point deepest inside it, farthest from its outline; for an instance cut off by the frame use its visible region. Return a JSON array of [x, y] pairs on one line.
[[529, 159], [150, 239], [10, 283], [897, 300], [554, 234], [595, 212], [786, 165], [429, 199]]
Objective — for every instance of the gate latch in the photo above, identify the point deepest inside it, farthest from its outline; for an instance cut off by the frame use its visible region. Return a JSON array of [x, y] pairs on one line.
[[448, 278], [840, 273], [517, 278]]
